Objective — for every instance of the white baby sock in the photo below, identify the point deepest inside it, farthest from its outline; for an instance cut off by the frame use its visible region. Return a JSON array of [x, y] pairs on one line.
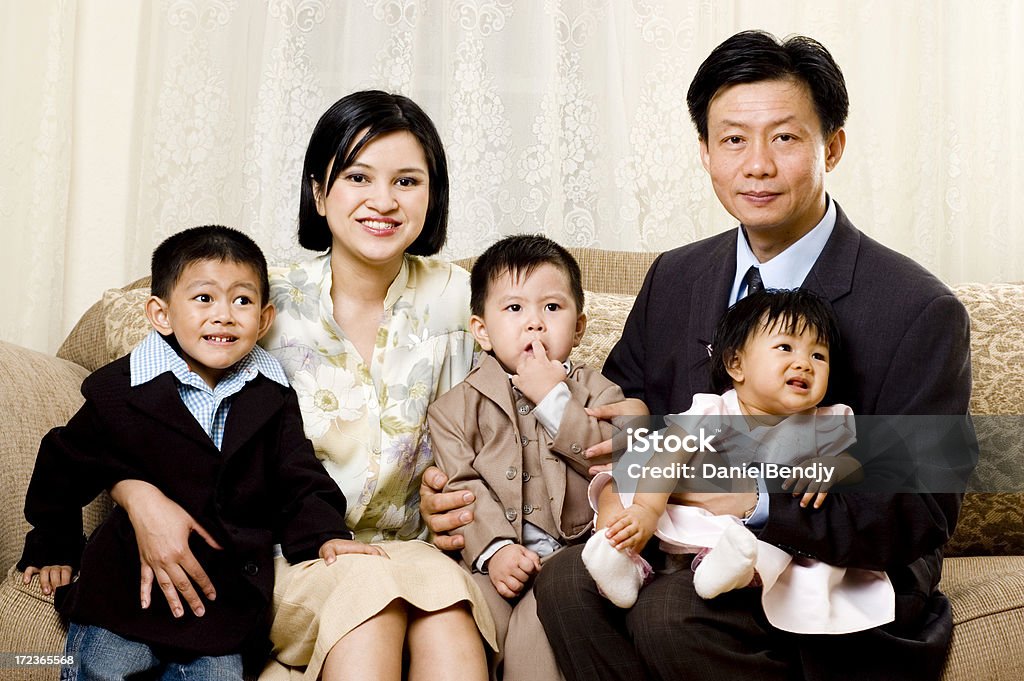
[[616, 573], [729, 565]]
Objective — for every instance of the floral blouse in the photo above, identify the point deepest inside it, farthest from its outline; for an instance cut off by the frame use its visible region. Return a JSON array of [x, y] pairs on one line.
[[368, 423]]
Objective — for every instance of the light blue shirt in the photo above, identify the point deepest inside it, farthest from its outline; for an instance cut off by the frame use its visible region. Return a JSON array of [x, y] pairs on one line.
[[210, 406], [788, 269]]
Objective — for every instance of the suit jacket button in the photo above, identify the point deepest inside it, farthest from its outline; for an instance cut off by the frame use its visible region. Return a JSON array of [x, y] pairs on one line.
[[510, 514], [576, 449], [527, 509], [524, 409], [251, 569], [526, 476], [524, 440], [511, 473]]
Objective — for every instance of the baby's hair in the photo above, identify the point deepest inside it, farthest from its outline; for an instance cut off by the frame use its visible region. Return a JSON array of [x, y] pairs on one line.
[[209, 242], [520, 255], [794, 311]]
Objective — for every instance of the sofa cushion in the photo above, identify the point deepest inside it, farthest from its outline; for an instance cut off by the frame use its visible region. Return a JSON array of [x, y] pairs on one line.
[[125, 323], [121, 312], [987, 595], [606, 315], [997, 346], [37, 392]]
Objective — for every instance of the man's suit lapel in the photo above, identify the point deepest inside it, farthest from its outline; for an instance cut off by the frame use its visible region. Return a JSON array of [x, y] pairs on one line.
[[832, 274], [709, 298]]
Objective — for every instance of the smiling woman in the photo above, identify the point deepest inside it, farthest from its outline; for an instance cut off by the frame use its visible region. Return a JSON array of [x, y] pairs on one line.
[[369, 332]]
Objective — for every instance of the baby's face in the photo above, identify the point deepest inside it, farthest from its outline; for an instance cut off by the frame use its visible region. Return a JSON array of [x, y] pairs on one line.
[[524, 309], [216, 315], [781, 373]]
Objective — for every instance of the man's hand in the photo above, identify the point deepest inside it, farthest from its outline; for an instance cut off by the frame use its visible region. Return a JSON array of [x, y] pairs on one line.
[[512, 568], [444, 512], [333, 548], [537, 375], [50, 576], [600, 454], [162, 530], [844, 468]]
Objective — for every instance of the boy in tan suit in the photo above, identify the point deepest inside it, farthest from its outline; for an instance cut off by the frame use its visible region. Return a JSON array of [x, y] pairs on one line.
[[515, 430]]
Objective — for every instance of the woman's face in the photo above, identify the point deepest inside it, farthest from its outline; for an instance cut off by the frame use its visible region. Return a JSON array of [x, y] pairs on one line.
[[377, 206]]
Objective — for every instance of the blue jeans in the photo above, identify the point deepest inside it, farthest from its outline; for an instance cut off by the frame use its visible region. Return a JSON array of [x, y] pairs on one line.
[[101, 655]]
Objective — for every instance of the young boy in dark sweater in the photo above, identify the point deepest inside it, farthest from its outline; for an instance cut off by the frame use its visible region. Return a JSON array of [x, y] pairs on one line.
[[204, 414]]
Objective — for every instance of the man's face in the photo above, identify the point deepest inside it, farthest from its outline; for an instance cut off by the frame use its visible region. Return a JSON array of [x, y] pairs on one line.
[[767, 158]]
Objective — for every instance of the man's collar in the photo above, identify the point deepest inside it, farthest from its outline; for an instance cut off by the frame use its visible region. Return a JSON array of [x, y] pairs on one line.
[[788, 269]]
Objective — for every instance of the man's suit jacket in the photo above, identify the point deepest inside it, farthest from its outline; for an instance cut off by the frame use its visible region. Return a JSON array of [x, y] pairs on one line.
[[905, 351], [264, 486], [489, 442]]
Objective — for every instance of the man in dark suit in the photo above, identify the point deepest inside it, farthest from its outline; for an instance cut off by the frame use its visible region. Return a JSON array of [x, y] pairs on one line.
[[769, 116]]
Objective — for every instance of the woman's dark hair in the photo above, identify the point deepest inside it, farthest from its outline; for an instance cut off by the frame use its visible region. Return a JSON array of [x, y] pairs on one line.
[[519, 255], [209, 242], [754, 56], [795, 311], [371, 113]]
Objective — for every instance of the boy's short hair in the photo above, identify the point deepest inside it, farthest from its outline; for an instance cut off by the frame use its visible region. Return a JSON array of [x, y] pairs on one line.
[[794, 310], [518, 255], [209, 242]]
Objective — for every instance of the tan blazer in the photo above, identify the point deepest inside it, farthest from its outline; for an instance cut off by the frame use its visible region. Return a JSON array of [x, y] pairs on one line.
[[488, 441]]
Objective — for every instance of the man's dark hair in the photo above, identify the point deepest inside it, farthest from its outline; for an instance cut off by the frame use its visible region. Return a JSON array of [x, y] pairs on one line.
[[210, 242], [795, 311], [754, 56], [520, 255], [342, 132]]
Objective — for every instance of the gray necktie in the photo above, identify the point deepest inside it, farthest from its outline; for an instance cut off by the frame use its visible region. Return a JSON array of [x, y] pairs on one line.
[[752, 280]]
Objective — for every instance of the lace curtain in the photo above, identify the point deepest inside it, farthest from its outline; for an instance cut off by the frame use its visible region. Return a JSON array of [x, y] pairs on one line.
[[124, 122]]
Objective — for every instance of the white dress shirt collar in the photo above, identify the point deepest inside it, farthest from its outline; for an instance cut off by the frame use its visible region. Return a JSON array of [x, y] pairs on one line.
[[788, 269]]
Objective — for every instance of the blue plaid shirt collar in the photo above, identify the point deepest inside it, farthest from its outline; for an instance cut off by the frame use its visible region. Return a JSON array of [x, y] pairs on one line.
[[154, 356]]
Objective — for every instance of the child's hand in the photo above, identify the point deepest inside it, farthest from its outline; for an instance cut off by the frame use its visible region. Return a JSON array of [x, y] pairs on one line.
[[536, 375], [511, 569], [336, 547], [50, 576], [632, 528]]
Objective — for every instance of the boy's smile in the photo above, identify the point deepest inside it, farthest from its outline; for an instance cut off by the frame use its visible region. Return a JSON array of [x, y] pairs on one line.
[[215, 314]]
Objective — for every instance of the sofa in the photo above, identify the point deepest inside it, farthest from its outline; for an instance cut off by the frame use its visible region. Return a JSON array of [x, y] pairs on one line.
[[983, 574]]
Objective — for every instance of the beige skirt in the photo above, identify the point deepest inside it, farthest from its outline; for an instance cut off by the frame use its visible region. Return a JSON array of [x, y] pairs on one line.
[[316, 604]]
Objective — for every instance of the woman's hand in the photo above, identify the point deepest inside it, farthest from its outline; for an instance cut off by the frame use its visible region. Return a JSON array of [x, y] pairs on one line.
[[333, 548], [50, 576], [162, 529], [444, 512], [601, 453]]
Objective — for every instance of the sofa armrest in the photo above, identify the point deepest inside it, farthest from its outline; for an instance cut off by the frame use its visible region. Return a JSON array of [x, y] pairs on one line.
[[30, 625], [37, 392]]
